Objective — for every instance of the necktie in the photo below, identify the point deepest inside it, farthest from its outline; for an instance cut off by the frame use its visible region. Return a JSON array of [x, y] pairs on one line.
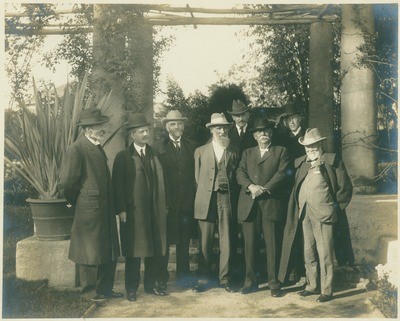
[[241, 134], [176, 144], [101, 150], [142, 153]]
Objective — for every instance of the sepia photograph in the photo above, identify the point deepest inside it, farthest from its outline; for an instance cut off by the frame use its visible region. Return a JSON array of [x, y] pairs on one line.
[[200, 159]]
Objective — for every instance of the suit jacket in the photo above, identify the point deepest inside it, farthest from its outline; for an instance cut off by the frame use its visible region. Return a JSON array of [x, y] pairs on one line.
[[341, 187], [179, 179], [143, 198], [284, 137], [269, 171], [205, 171], [85, 182], [246, 142]]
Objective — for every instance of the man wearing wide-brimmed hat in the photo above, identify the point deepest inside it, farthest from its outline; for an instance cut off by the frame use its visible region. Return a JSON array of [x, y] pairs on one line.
[[262, 174], [215, 166], [141, 204], [289, 134], [176, 155], [321, 192], [85, 182]]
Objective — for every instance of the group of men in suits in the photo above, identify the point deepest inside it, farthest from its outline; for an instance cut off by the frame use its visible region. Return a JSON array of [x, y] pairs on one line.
[[157, 192]]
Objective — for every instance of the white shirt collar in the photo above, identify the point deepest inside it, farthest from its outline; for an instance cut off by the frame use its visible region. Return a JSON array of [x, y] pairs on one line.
[[94, 142], [263, 150], [244, 128], [139, 148], [218, 150], [297, 131], [175, 140]]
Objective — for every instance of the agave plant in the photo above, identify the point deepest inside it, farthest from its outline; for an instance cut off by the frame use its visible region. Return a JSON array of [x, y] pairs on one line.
[[40, 140]]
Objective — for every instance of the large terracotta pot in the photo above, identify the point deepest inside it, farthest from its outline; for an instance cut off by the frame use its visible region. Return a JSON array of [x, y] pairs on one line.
[[52, 219]]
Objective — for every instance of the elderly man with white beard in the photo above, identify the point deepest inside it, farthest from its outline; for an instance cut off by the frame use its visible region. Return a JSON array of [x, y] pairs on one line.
[[215, 166]]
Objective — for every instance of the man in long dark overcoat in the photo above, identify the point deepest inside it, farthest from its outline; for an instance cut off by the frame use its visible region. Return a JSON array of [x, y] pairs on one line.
[[85, 182], [176, 155], [140, 200], [321, 192], [215, 166], [262, 174]]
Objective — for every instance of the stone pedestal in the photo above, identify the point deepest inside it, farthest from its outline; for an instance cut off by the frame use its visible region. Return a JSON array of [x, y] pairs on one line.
[[45, 260]]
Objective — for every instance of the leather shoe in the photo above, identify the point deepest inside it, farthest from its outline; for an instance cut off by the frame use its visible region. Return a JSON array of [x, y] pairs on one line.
[[114, 295], [156, 291], [99, 298], [199, 287], [324, 298], [276, 293], [229, 288], [307, 293], [162, 286], [131, 296], [249, 289]]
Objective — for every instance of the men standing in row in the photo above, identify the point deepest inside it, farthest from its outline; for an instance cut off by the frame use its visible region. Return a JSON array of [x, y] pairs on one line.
[[177, 157], [215, 166], [321, 192], [141, 205], [85, 182], [262, 176]]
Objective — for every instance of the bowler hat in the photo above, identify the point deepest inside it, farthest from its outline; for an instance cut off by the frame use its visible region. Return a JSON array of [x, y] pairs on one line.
[[291, 109], [173, 115], [238, 108], [261, 124], [91, 116], [136, 120], [218, 120], [311, 136]]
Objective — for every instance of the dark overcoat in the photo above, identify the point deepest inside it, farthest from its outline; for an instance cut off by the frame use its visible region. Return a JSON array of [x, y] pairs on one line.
[[340, 184], [140, 235], [246, 142], [205, 171], [180, 182], [85, 182], [269, 171]]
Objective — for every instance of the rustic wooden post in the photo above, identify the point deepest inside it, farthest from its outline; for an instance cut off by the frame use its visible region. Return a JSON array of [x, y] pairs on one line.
[[321, 81], [358, 106]]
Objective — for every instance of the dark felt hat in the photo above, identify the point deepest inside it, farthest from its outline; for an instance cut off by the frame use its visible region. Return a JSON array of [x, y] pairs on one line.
[[91, 116], [136, 120], [291, 109], [238, 108], [173, 115], [261, 124]]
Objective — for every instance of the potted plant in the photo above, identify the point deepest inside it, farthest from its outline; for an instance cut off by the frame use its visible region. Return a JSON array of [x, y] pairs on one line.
[[37, 144]]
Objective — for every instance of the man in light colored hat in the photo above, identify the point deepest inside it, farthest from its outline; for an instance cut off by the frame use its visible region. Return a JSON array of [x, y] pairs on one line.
[[85, 182], [177, 158], [141, 204], [321, 192], [215, 166], [262, 174]]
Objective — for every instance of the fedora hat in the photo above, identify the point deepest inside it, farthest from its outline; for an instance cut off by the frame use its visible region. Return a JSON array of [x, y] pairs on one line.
[[290, 109], [218, 120], [311, 136], [136, 120], [91, 116], [238, 108], [261, 124], [173, 115]]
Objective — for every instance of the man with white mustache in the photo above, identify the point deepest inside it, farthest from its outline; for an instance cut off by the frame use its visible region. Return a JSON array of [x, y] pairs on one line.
[[215, 166], [263, 178], [322, 190]]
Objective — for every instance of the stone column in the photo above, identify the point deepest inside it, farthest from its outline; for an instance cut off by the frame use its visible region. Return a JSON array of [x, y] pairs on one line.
[[102, 84], [358, 106], [321, 81]]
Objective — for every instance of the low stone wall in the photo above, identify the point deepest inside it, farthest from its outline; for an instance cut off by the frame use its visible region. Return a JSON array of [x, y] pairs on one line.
[[373, 224]]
